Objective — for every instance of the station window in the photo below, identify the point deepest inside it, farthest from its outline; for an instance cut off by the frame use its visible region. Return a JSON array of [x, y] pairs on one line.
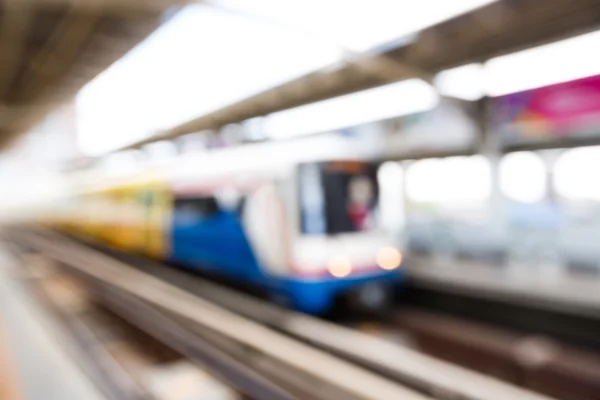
[[523, 177], [575, 174], [391, 195], [421, 180], [453, 180]]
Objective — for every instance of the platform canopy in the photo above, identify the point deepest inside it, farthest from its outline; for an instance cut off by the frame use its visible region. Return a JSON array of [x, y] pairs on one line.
[[49, 49], [491, 30]]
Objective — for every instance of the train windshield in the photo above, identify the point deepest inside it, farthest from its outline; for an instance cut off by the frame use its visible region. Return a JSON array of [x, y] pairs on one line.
[[338, 197]]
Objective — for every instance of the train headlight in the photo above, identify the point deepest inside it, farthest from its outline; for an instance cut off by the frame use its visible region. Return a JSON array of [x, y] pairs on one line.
[[389, 258], [339, 266]]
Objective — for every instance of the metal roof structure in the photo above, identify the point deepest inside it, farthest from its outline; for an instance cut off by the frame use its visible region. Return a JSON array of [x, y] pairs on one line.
[[499, 28], [50, 48]]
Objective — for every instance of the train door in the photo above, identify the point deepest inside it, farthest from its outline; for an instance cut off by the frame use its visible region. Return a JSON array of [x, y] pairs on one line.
[[268, 225]]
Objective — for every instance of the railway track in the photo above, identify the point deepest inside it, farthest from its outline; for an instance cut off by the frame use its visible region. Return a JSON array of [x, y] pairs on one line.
[[526, 359], [120, 359], [284, 368], [372, 367], [537, 362], [100, 318]]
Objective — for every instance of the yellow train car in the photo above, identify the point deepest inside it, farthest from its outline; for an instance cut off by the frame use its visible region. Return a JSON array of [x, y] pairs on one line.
[[132, 215], [157, 199]]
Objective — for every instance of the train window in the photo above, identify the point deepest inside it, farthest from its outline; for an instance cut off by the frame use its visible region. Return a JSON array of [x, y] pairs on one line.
[[194, 208], [523, 177], [338, 197], [575, 174], [453, 180]]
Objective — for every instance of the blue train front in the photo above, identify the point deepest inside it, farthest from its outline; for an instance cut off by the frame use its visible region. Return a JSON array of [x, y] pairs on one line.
[[307, 235]]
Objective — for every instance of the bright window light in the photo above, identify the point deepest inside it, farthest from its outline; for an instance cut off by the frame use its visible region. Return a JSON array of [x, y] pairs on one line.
[[422, 179], [465, 82], [523, 177], [472, 179], [402, 98], [202, 59], [357, 25], [391, 195], [544, 65], [575, 174], [449, 181]]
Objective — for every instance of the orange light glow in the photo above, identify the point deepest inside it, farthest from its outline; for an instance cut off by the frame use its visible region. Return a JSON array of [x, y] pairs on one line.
[[389, 258], [340, 266]]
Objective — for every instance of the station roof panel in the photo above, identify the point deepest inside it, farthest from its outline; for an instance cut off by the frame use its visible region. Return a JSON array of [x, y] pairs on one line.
[[499, 28], [51, 48], [217, 53], [358, 25], [205, 58]]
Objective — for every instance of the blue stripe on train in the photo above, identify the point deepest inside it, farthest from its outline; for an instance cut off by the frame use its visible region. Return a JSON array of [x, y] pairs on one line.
[[216, 243], [316, 295]]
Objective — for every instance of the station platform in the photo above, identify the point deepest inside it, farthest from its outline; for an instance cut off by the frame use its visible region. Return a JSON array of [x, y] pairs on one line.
[[539, 300], [531, 286], [34, 365]]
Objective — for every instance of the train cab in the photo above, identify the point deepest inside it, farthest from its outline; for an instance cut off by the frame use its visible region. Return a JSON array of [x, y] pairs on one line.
[[306, 233], [341, 248]]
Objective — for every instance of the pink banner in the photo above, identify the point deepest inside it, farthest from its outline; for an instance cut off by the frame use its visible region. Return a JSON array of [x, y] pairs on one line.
[[565, 109]]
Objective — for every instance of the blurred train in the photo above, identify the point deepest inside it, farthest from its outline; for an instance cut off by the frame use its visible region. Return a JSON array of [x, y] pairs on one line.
[[310, 220], [301, 225]]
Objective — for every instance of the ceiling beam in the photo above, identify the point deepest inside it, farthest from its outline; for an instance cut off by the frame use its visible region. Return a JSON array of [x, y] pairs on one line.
[[14, 26], [40, 68], [59, 53], [108, 6]]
